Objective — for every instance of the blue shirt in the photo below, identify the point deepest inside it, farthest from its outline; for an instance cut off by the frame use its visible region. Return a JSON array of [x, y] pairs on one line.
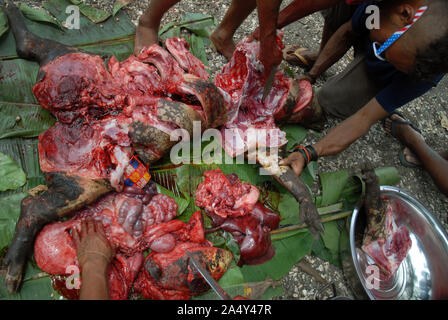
[[399, 88]]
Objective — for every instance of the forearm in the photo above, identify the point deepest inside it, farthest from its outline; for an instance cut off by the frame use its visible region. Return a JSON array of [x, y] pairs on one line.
[[94, 284], [267, 16], [341, 137], [350, 130], [334, 50], [302, 8]]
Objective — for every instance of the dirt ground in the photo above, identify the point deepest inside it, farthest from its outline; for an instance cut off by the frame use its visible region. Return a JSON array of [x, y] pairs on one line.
[[377, 146]]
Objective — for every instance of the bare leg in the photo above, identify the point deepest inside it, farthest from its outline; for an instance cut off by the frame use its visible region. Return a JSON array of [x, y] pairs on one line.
[[311, 56], [434, 163], [222, 37], [149, 23], [302, 8]]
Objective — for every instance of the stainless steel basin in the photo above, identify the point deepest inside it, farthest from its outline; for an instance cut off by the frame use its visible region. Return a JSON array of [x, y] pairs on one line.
[[423, 275]]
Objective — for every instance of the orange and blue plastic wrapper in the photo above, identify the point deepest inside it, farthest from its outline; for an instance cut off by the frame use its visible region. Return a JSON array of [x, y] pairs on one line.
[[136, 174]]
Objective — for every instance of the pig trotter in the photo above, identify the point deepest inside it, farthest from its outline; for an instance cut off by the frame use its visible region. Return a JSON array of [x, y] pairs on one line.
[[374, 206], [63, 195], [308, 211], [28, 45]]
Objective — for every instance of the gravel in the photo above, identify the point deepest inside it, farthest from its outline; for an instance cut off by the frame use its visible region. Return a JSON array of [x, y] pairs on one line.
[[379, 147]]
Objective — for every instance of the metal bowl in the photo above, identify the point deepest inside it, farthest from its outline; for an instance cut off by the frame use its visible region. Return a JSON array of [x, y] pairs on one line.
[[423, 275]]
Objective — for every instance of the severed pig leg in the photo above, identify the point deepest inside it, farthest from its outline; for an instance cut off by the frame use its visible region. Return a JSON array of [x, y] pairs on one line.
[[62, 195], [385, 241], [28, 45], [286, 177], [374, 206]]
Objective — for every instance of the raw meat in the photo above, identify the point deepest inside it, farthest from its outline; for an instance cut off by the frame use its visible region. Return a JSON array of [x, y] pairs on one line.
[[242, 83], [134, 221], [389, 251], [107, 114], [225, 195], [249, 224], [172, 277], [384, 240], [178, 47], [128, 219]]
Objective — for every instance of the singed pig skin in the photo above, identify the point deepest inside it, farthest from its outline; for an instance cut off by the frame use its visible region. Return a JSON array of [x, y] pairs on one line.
[[386, 242], [105, 114], [63, 194]]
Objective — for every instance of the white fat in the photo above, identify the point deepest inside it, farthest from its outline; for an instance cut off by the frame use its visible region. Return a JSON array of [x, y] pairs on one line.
[[270, 163], [121, 160]]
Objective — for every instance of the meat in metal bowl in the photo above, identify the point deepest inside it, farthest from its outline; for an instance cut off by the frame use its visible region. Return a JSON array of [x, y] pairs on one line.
[[423, 275]]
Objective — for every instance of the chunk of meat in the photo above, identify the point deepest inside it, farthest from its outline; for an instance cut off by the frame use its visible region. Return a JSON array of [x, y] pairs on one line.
[[251, 120], [128, 221], [234, 207], [242, 84], [135, 221], [178, 47], [170, 276], [385, 241], [101, 150], [122, 272], [252, 233], [389, 251], [105, 115], [225, 197]]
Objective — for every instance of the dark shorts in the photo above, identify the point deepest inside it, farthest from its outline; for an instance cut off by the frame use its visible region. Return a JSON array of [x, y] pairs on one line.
[[336, 16], [344, 94]]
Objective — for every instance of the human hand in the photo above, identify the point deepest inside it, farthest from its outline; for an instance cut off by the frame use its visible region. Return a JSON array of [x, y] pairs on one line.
[[92, 244], [296, 161]]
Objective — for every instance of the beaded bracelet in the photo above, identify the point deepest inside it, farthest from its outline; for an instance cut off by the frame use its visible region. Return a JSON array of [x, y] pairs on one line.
[[308, 153]]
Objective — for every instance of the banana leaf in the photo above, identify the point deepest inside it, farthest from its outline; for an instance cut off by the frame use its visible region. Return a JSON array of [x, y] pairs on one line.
[[9, 214], [11, 175], [94, 14], [23, 120], [3, 22], [200, 27], [295, 135], [40, 15], [36, 286], [198, 23], [332, 185], [25, 153], [89, 35], [120, 4]]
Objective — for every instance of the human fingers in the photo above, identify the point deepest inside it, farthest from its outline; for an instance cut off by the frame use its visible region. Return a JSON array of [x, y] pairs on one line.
[[83, 227], [297, 167], [76, 237], [90, 226]]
